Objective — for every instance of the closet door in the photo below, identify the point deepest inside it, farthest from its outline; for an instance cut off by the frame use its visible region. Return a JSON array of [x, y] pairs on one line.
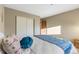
[[21, 25], [24, 26], [29, 26]]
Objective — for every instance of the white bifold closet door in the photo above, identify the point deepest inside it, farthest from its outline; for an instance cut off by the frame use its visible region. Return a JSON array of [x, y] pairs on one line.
[[24, 25]]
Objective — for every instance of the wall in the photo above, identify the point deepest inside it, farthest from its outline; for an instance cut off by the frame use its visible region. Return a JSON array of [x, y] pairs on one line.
[[69, 22], [1, 19], [37, 25], [10, 22]]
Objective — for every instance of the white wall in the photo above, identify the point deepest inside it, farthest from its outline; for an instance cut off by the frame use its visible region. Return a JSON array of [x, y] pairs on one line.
[[1, 19], [69, 22], [1, 22], [37, 26]]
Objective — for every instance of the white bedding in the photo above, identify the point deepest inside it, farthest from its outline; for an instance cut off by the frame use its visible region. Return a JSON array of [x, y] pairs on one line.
[[42, 47]]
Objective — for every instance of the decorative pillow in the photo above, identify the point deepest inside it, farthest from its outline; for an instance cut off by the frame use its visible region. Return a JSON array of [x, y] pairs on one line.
[[26, 42], [17, 44], [11, 45]]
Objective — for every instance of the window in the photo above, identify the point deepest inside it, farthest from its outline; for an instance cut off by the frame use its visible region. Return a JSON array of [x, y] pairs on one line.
[[54, 30]]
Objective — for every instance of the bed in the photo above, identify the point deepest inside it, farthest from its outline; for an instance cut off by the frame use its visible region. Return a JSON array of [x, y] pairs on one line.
[[46, 47], [40, 46]]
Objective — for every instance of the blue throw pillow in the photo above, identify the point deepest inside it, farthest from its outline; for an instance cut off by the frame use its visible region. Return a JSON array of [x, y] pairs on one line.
[[26, 42]]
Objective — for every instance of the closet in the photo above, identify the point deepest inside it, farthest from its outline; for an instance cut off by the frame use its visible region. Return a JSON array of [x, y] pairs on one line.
[[24, 25]]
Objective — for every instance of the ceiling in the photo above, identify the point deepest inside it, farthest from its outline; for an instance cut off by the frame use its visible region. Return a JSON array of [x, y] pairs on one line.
[[43, 10]]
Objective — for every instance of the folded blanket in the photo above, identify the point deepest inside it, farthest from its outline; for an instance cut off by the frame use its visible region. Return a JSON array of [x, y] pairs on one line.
[[64, 44]]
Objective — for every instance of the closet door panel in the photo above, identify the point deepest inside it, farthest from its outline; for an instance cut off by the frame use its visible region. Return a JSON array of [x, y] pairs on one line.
[[24, 26], [29, 25], [21, 25]]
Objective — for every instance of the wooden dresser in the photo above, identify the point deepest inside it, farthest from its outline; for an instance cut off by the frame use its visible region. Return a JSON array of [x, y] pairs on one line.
[[76, 43]]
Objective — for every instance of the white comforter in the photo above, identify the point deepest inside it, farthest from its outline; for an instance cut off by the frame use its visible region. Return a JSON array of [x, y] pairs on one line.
[[43, 47]]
